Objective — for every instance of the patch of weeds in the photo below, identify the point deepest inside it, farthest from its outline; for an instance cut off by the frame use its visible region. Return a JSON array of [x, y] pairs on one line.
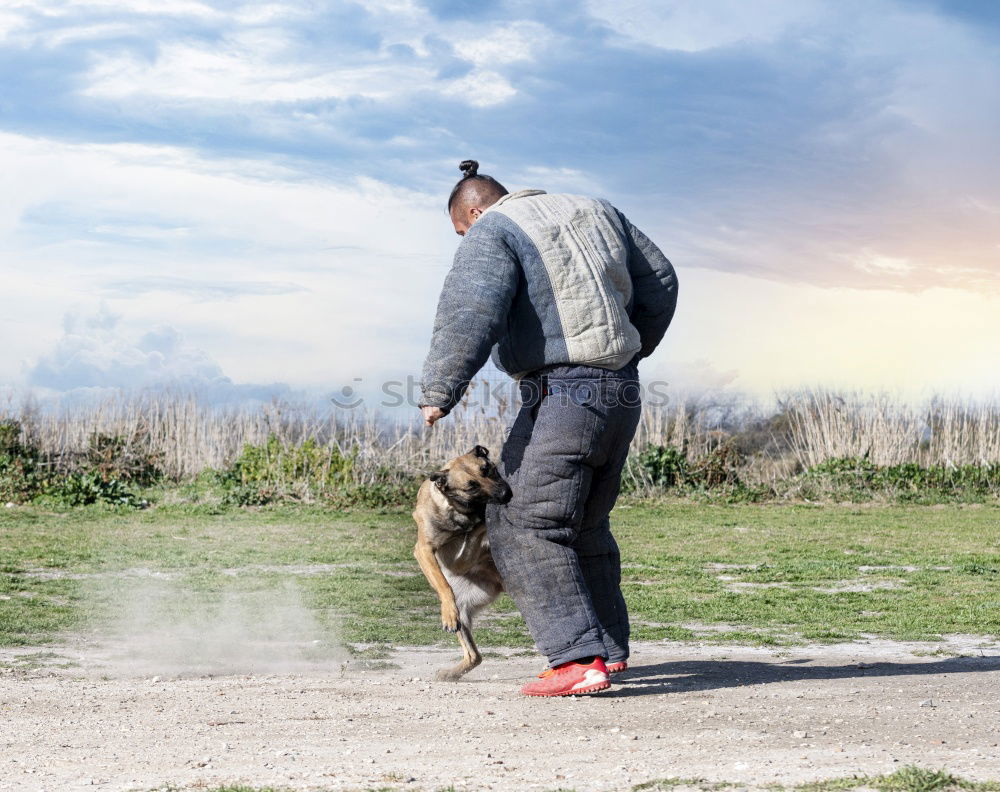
[[379, 665], [226, 788], [666, 784], [37, 660], [907, 779], [938, 653], [746, 638], [828, 785], [667, 632], [824, 635], [373, 652], [918, 779]]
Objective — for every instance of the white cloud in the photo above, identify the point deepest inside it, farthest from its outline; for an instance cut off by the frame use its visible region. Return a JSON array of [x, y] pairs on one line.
[[868, 261], [481, 89], [488, 50], [370, 259], [328, 281], [694, 377], [238, 73], [190, 196], [516, 42], [569, 180], [279, 274], [254, 59], [10, 23], [706, 24], [96, 355], [267, 13], [59, 8]]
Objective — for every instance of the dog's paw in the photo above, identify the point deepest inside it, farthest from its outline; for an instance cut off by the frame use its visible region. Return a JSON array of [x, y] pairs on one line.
[[449, 618], [450, 674]]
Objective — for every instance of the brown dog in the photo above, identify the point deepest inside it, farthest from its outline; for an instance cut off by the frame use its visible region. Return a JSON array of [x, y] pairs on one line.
[[452, 548]]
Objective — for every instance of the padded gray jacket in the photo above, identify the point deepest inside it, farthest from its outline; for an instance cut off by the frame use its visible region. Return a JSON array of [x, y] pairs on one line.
[[544, 280]]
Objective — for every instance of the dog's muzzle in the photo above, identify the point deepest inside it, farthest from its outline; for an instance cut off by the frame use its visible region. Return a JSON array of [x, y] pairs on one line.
[[503, 493]]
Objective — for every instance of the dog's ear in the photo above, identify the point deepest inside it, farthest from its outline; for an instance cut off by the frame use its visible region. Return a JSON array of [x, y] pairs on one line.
[[440, 479], [479, 451]]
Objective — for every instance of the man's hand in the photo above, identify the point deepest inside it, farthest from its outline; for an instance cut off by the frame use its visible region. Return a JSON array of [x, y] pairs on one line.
[[432, 414]]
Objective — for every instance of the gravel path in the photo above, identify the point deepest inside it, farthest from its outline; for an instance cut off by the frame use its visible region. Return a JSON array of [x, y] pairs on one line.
[[749, 716]]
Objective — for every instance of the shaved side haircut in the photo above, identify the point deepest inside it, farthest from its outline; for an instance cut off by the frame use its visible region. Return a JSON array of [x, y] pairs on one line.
[[475, 188]]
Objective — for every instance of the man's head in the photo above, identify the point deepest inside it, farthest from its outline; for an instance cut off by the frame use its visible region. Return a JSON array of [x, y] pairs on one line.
[[473, 195]]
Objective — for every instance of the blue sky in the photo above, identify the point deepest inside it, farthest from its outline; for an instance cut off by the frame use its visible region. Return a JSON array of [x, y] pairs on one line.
[[252, 193]]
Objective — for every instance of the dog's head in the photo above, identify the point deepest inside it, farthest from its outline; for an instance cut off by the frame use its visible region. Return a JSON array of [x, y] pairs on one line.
[[471, 481]]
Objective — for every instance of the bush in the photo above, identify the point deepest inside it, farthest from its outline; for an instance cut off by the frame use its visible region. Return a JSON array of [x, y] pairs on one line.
[[719, 467], [115, 458], [20, 465], [275, 470], [663, 466], [667, 467], [102, 477], [908, 480], [84, 489]]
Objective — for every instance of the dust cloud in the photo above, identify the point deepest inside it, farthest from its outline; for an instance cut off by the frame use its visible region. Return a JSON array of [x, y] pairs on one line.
[[161, 627]]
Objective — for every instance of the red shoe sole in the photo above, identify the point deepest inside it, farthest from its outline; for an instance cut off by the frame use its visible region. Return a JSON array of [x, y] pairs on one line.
[[617, 668], [582, 691]]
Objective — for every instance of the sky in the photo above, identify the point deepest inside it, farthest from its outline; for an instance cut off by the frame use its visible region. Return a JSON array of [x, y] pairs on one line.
[[249, 196]]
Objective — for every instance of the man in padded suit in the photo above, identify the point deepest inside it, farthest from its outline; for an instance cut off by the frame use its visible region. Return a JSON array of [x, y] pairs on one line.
[[569, 296]]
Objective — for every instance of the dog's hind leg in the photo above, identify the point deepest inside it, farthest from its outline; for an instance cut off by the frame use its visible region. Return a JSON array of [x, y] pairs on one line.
[[471, 596], [470, 654]]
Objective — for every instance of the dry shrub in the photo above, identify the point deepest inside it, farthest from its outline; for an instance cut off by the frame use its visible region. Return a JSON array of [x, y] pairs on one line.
[[727, 438]]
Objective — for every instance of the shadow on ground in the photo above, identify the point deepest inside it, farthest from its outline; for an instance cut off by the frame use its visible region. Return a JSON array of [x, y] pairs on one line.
[[697, 675]]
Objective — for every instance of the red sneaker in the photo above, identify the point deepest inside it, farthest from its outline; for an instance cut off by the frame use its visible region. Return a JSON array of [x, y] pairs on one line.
[[570, 679], [617, 668]]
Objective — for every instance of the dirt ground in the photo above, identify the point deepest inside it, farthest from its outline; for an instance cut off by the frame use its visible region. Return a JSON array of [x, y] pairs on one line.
[[743, 715]]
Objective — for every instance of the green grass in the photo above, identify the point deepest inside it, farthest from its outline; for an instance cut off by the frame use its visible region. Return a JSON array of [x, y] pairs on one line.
[[906, 779], [764, 574]]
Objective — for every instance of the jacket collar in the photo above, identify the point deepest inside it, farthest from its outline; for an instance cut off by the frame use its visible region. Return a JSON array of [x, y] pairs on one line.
[[515, 195]]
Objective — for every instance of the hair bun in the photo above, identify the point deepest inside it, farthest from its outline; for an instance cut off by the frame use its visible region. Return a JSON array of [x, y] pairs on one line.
[[469, 167]]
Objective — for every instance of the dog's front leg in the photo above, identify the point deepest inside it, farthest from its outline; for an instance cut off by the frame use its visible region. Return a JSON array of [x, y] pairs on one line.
[[428, 562]]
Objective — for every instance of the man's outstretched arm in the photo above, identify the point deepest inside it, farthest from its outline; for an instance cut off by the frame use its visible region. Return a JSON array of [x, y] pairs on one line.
[[473, 307], [654, 288]]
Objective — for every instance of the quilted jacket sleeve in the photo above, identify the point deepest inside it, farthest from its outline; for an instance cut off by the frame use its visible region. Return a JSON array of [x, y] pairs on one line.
[[654, 288], [471, 314]]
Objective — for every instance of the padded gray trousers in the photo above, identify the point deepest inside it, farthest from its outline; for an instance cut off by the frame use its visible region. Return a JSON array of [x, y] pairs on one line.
[[552, 542]]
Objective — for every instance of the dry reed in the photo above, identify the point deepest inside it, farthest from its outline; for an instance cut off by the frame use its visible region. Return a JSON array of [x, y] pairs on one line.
[[187, 436]]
